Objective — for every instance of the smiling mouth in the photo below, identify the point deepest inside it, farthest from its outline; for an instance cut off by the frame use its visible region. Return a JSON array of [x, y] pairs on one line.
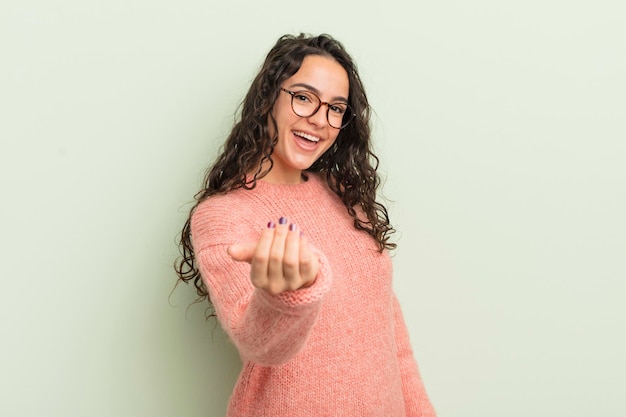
[[306, 136]]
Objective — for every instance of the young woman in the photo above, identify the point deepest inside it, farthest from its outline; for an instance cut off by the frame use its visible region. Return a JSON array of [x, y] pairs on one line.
[[289, 244]]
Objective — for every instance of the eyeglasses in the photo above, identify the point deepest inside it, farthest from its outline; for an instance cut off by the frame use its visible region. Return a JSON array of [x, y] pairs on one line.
[[306, 104]]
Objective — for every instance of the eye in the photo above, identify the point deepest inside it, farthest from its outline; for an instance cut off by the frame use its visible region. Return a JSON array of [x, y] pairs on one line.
[[337, 108], [303, 97]]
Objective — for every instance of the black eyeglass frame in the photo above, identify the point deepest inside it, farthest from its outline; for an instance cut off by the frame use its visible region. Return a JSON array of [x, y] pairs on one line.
[[349, 114]]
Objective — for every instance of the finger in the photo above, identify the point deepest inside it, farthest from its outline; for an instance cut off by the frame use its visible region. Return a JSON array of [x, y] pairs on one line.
[[291, 258], [275, 273], [260, 258], [242, 252], [309, 264]]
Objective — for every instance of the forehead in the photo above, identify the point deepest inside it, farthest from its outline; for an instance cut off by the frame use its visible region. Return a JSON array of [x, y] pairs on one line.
[[324, 74]]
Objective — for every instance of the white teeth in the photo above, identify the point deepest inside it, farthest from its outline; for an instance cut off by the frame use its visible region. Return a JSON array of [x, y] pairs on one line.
[[307, 136]]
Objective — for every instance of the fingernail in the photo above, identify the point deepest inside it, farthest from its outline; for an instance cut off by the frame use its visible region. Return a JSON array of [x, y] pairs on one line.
[[301, 233], [271, 225], [282, 220], [292, 227]]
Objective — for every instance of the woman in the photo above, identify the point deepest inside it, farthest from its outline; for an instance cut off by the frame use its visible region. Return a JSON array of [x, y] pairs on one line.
[[289, 244]]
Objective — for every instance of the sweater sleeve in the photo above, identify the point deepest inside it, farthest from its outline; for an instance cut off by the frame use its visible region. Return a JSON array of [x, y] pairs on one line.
[[416, 399], [267, 329]]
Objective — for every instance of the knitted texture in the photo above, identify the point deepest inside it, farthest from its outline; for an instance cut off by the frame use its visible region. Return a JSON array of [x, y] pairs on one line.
[[337, 348]]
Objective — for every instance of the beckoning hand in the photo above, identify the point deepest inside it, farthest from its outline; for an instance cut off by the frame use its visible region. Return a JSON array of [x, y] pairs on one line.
[[281, 260]]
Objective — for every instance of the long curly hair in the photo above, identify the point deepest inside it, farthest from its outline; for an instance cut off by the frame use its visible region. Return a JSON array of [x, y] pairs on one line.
[[349, 166]]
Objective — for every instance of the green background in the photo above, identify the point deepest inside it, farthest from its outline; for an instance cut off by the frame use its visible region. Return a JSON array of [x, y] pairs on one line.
[[501, 131]]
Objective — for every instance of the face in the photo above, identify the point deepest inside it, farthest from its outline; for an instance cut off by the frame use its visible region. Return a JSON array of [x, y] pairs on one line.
[[302, 140]]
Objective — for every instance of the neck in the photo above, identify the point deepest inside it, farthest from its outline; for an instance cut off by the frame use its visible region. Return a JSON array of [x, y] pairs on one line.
[[284, 180], [285, 177]]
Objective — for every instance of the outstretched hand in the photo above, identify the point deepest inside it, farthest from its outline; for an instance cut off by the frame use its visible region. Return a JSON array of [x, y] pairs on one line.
[[281, 260]]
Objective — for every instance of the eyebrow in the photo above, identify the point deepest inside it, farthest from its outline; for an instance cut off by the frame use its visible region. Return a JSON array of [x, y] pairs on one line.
[[316, 91]]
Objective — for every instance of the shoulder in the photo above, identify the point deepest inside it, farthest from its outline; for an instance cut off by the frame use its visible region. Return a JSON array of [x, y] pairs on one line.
[[223, 219], [222, 205]]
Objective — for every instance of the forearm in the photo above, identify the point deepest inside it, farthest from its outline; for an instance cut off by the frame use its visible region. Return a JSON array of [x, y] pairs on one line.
[[268, 329]]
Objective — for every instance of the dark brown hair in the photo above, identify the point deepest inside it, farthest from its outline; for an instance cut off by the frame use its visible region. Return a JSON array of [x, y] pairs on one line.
[[349, 166]]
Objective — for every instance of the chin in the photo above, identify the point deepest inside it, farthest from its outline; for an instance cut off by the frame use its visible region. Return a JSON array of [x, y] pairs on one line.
[[304, 166]]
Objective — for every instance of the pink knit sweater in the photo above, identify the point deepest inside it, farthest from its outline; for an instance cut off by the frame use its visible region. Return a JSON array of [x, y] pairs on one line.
[[337, 348]]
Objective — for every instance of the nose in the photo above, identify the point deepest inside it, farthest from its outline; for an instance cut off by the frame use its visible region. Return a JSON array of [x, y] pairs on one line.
[[320, 118]]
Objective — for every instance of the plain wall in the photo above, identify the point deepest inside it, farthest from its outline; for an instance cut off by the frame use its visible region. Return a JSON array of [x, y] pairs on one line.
[[501, 132]]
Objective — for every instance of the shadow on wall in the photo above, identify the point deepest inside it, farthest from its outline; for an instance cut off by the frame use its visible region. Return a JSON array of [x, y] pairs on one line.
[[224, 366], [209, 362]]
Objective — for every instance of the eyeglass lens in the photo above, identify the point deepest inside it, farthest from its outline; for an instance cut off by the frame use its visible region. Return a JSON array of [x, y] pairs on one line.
[[306, 104]]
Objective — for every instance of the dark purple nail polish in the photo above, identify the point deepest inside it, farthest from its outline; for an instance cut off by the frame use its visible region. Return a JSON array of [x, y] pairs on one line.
[[271, 225], [292, 227], [282, 220]]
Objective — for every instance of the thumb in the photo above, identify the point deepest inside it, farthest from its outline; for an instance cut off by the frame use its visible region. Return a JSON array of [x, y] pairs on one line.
[[242, 252]]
